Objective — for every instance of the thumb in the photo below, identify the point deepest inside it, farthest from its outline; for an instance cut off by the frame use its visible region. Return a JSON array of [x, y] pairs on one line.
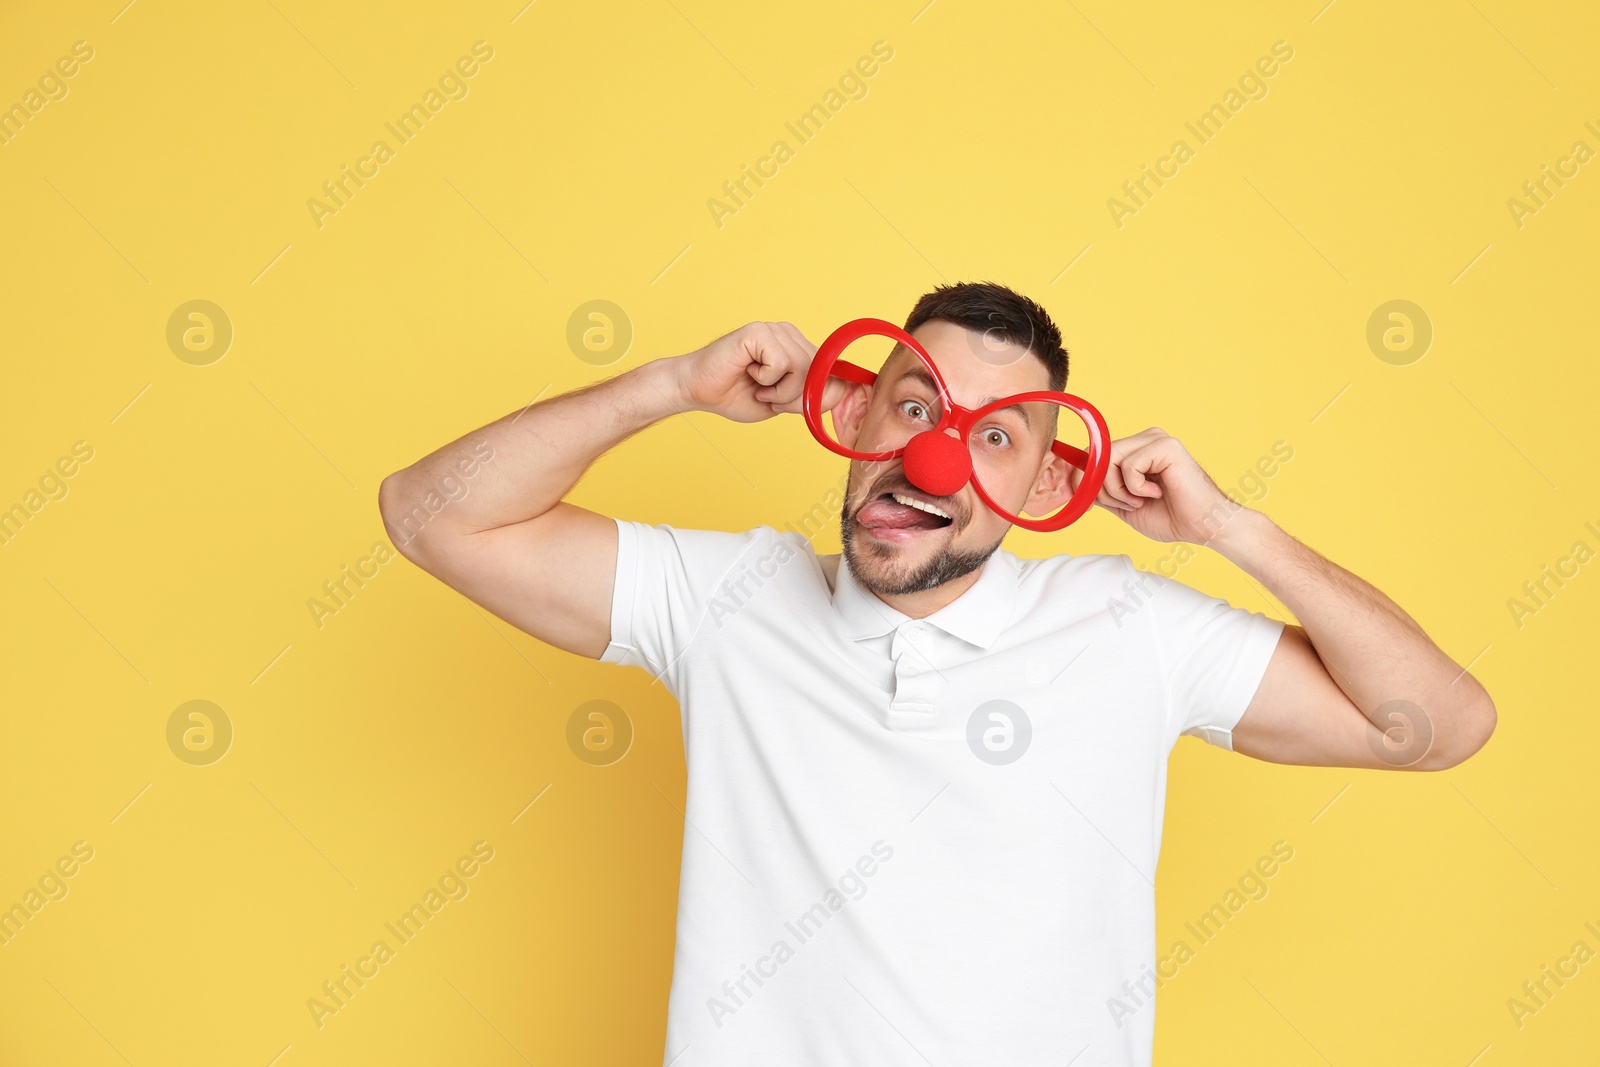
[[833, 392]]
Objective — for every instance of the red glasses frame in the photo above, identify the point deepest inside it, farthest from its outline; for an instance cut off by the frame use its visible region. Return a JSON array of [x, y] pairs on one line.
[[934, 465]]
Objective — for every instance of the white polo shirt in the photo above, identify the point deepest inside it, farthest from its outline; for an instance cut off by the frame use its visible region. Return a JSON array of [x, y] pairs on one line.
[[913, 842]]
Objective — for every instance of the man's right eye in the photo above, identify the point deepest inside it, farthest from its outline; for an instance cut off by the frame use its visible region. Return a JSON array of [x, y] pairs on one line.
[[914, 409]]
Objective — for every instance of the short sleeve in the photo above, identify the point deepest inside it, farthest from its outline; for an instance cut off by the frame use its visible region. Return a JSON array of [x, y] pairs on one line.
[[1212, 656], [667, 584]]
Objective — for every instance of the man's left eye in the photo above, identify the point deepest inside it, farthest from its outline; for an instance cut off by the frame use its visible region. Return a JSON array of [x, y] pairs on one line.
[[990, 435]]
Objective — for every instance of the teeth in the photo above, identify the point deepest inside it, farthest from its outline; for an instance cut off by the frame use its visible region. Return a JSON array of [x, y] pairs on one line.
[[913, 502]]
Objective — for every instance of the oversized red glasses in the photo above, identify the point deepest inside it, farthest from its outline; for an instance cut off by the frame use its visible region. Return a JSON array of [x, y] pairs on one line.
[[941, 464]]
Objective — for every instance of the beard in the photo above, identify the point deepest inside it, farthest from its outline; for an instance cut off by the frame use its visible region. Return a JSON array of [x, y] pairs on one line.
[[875, 567]]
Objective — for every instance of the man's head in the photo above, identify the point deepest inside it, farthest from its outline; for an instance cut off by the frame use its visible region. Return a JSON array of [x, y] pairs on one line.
[[987, 342]]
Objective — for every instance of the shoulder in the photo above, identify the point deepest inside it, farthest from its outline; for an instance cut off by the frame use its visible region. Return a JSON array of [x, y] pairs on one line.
[[762, 549], [699, 537], [1095, 588], [1116, 572], [1085, 573]]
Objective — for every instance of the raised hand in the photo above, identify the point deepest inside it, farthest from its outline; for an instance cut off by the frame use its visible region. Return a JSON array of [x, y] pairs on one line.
[[753, 373], [1155, 486]]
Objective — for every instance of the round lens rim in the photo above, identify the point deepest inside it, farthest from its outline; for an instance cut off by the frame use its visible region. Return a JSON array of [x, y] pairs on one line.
[[1095, 462], [827, 357]]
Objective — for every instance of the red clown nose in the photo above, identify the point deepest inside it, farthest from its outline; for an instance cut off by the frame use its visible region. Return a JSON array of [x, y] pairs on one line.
[[937, 463]]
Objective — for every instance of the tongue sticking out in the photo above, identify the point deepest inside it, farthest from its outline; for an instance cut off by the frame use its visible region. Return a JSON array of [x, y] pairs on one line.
[[886, 511]]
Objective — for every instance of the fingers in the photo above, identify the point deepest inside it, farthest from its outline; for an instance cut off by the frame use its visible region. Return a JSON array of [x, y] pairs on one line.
[[1155, 457], [1141, 462], [784, 394], [1113, 493], [764, 373], [800, 339], [783, 374], [1126, 487], [769, 354]]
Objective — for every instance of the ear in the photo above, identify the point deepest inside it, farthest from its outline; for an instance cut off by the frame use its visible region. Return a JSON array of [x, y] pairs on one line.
[[850, 412], [1052, 488]]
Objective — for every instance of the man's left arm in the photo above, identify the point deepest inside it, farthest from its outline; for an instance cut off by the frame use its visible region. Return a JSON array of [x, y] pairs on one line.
[[1357, 683]]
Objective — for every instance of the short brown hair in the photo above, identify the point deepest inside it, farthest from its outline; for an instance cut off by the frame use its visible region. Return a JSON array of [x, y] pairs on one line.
[[991, 308]]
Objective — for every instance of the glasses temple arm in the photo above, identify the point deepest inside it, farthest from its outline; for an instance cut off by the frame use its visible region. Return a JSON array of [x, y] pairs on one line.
[[1075, 456], [851, 373]]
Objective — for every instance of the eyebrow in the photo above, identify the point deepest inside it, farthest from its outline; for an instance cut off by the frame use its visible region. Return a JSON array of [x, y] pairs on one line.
[[919, 373]]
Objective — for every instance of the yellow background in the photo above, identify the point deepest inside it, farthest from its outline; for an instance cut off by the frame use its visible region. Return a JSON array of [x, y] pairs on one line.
[[371, 752]]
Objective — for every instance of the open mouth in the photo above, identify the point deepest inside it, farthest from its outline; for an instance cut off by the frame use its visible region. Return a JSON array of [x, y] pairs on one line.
[[898, 516]]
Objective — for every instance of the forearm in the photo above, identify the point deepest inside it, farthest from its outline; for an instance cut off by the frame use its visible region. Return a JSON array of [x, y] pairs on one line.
[[532, 457], [1373, 650]]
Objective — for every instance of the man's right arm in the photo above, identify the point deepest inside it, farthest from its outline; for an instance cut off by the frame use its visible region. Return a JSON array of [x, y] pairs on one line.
[[511, 543]]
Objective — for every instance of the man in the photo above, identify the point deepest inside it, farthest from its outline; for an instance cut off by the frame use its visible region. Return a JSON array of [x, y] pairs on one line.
[[926, 776]]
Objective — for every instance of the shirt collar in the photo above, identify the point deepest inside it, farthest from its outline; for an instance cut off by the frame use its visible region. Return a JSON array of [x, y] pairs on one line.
[[976, 616]]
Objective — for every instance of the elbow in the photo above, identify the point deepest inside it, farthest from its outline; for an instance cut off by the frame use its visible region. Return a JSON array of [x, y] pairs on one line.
[[1479, 725], [389, 494], [395, 509], [389, 499], [1469, 731]]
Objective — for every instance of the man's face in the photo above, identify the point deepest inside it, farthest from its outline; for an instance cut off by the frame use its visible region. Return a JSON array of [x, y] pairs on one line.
[[895, 549]]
